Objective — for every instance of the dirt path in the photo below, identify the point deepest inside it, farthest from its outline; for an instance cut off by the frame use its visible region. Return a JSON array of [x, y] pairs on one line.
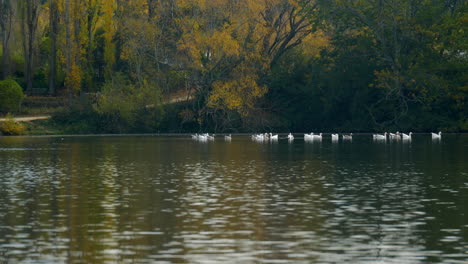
[[180, 98], [28, 118]]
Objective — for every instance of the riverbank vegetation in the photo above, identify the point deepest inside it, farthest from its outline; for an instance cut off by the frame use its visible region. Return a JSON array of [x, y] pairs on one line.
[[238, 66]]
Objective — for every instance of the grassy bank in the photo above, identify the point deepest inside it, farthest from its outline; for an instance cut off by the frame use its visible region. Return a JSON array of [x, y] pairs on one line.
[[22, 122], [42, 127], [30, 128]]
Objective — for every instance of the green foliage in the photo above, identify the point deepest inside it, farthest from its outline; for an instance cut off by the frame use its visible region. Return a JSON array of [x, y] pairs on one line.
[[11, 128], [125, 106], [389, 67], [11, 96], [17, 60], [279, 64], [121, 107]]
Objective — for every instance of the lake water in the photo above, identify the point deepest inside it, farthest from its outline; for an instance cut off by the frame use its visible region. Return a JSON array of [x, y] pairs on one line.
[[155, 199]]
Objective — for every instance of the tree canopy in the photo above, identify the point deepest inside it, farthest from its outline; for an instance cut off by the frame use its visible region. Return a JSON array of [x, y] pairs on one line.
[[248, 64]]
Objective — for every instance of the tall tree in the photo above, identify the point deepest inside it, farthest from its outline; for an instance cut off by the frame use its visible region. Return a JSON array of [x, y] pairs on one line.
[[232, 45], [6, 21], [29, 18], [68, 50], [151, 9], [287, 23], [53, 21], [73, 17]]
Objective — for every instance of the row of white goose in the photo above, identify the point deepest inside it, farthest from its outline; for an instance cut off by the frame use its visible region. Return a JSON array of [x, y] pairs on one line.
[[334, 137], [318, 137], [398, 136], [290, 137], [203, 137], [394, 136], [265, 137], [269, 137]]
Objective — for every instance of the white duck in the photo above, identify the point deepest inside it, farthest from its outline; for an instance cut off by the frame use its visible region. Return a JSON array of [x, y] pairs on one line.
[[407, 136], [309, 136], [335, 137], [318, 137], [258, 137], [203, 137], [380, 136], [290, 137], [273, 137], [348, 137], [228, 137], [436, 136], [395, 136]]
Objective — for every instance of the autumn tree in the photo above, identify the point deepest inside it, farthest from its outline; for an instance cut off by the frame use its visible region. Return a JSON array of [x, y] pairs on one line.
[[286, 25], [250, 64], [6, 23], [54, 31], [29, 21], [232, 45]]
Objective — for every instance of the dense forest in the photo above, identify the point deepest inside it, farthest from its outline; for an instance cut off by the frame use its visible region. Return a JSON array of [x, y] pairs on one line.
[[242, 65]]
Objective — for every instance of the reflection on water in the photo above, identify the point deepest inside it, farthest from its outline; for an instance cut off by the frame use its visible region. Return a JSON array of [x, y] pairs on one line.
[[175, 200]]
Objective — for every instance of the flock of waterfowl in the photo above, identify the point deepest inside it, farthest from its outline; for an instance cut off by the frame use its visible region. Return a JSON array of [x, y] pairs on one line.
[[317, 137]]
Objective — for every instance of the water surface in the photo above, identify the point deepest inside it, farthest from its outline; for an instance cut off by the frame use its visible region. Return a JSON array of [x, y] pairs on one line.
[[150, 199]]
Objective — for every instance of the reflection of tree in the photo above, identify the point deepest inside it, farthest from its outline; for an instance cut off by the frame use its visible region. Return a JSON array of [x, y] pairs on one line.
[[105, 200], [28, 193], [243, 197], [443, 180]]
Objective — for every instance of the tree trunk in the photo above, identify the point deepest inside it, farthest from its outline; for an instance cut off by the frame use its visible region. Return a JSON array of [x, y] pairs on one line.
[[5, 56], [53, 46], [30, 56], [6, 19], [5, 35], [68, 43], [30, 14], [68, 50], [151, 9]]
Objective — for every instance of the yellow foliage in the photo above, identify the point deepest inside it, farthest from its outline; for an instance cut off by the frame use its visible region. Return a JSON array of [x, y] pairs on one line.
[[224, 42], [108, 7], [73, 79], [237, 94], [11, 127], [314, 43], [244, 34]]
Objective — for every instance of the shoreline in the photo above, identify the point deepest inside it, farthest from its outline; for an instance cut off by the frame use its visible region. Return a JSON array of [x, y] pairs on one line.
[[298, 134]]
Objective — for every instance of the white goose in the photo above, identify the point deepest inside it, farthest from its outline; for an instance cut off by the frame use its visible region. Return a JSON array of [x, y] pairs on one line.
[[335, 137], [290, 137], [380, 136], [309, 136], [436, 136], [258, 137], [318, 137], [407, 136], [395, 136], [348, 137], [273, 137], [203, 137], [228, 137]]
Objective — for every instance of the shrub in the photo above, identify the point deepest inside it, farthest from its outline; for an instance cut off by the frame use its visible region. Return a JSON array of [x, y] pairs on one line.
[[11, 127], [124, 107], [11, 96]]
